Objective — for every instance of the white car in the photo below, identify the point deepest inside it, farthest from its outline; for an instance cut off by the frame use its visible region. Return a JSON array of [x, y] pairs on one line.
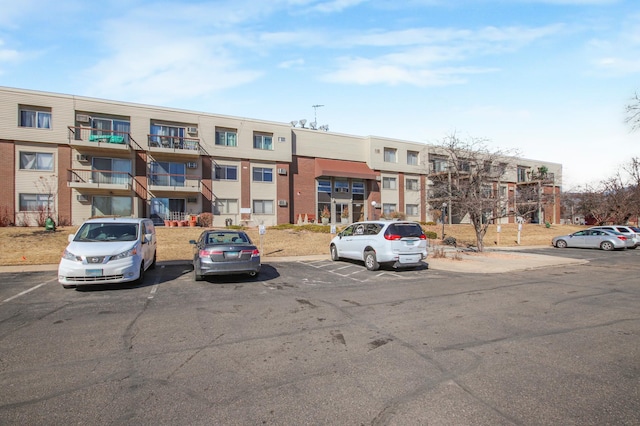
[[633, 237], [396, 243], [108, 250]]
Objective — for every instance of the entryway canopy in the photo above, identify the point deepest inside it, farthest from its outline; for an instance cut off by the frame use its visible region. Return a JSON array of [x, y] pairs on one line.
[[346, 169]]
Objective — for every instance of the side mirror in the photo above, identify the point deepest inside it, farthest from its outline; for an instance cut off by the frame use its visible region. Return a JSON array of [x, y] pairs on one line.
[[192, 241], [147, 238], [70, 237]]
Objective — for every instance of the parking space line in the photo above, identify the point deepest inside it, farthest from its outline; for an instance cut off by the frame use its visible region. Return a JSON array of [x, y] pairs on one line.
[[22, 293], [154, 289]]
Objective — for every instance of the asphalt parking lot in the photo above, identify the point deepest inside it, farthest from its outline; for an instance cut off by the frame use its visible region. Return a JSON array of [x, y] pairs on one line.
[[320, 342]]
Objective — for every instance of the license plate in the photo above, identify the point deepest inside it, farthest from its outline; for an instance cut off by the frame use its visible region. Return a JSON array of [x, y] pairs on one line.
[[410, 242], [415, 258], [232, 254], [94, 272]]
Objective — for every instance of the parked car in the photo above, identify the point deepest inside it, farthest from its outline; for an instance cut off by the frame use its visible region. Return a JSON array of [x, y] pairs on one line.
[[592, 238], [633, 235], [224, 252], [108, 250], [396, 243]]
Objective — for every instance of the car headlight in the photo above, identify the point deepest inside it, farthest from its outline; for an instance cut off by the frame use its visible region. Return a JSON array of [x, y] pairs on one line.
[[70, 256], [125, 254]]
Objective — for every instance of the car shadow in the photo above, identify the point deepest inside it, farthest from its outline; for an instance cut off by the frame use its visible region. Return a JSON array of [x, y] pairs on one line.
[[267, 273], [386, 267]]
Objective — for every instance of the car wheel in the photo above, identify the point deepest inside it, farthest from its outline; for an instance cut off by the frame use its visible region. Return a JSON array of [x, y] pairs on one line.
[[606, 245], [370, 260], [153, 264], [561, 244], [140, 279], [196, 275], [334, 253], [253, 274]]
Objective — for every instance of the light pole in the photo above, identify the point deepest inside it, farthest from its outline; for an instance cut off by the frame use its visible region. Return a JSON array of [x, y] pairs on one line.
[[373, 209], [443, 208]]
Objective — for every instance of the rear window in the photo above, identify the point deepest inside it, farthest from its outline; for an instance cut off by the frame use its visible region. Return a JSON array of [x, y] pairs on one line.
[[405, 229]]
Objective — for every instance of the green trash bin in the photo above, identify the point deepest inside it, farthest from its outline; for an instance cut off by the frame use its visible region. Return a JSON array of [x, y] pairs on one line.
[[49, 224]]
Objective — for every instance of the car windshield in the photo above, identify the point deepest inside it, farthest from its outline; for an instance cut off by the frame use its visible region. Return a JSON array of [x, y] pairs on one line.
[[226, 238], [405, 230], [107, 231]]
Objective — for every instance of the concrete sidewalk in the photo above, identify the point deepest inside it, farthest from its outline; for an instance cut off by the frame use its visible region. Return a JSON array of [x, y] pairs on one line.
[[495, 260]]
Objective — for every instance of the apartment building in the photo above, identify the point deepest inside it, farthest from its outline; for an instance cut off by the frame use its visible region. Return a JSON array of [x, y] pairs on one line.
[[73, 157]]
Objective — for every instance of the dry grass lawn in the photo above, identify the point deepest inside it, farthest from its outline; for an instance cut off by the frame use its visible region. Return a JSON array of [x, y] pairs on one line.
[[31, 246]]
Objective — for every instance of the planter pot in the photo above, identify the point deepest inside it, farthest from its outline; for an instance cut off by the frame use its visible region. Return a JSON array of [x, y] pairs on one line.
[[193, 223], [174, 223], [167, 223], [344, 221], [180, 223], [325, 220]]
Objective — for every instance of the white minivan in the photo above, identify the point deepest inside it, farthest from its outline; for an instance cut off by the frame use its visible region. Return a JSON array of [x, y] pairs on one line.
[[108, 250]]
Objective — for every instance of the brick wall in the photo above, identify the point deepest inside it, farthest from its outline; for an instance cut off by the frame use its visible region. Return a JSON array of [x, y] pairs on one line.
[[64, 192], [303, 198], [7, 177]]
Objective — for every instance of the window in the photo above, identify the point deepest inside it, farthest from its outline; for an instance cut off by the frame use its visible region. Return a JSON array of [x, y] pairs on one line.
[[411, 209], [522, 174], [36, 202], [262, 141], [36, 161], [357, 188], [39, 118], [164, 173], [412, 184], [324, 186], [437, 165], [111, 170], [342, 186], [225, 206], [263, 206], [390, 155], [464, 166], [387, 209], [111, 206], [166, 136], [223, 172], [412, 158], [226, 137], [110, 127], [388, 183], [262, 174]]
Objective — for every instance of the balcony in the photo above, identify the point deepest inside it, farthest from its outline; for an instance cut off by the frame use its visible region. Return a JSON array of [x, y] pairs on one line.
[[534, 177], [96, 138], [174, 145], [164, 182], [99, 179]]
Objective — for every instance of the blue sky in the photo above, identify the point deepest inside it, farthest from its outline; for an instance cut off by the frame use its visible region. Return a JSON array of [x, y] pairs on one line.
[[547, 78]]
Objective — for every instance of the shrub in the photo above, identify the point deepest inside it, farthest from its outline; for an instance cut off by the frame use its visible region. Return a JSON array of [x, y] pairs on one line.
[[431, 235], [206, 219], [5, 216], [431, 223]]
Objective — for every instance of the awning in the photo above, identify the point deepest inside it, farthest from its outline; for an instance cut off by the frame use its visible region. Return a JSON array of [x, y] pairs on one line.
[[347, 169]]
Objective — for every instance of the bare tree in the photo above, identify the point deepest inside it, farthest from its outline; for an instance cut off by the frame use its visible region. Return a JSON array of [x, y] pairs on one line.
[[471, 184], [633, 112]]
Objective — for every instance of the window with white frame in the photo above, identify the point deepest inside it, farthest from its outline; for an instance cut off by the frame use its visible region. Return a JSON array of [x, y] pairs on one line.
[[357, 188], [111, 170], [341, 186], [36, 117], [263, 141], [387, 208], [110, 127], [224, 172], [226, 137], [412, 184], [412, 158], [262, 174], [388, 183], [36, 161], [411, 209], [263, 206], [165, 173], [111, 206], [324, 186], [35, 202], [390, 155], [225, 206]]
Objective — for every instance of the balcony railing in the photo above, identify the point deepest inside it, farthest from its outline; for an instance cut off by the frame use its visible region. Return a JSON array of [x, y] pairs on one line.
[[531, 177], [175, 182], [174, 143], [98, 178], [100, 137]]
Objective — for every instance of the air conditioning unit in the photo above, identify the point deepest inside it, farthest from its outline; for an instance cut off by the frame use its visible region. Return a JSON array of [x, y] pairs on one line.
[[192, 165], [82, 198], [192, 130], [282, 172], [82, 118], [282, 139], [378, 178], [82, 157], [282, 203], [192, 200]]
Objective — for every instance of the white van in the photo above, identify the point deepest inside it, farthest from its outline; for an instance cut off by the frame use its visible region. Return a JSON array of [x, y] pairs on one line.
[[108, 250]]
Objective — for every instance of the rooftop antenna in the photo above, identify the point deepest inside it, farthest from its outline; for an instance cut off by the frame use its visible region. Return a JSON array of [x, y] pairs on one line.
[[315, 112]]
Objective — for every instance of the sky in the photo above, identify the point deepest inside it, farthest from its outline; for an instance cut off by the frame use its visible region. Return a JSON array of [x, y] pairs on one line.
[[546, 79]]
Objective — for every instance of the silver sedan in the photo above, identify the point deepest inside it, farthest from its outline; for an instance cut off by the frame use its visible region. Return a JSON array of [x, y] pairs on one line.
[[592, 238], [224, 252]]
